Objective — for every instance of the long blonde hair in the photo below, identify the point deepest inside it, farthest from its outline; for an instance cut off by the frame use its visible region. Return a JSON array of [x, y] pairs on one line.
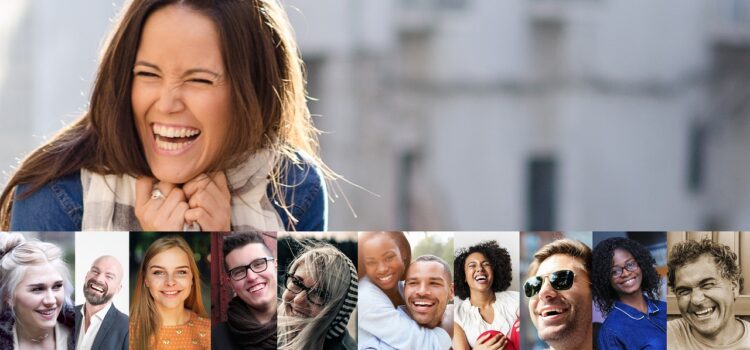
[[333, 272], [144, 319]]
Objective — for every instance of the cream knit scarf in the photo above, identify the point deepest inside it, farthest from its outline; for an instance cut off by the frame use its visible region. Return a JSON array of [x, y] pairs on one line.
[[109, 200]]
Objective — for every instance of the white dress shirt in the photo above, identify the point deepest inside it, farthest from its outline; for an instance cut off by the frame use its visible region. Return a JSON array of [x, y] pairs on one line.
[[86, 336]]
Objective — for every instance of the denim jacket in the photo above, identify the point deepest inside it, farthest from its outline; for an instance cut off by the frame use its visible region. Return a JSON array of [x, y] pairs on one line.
[[58, 205]]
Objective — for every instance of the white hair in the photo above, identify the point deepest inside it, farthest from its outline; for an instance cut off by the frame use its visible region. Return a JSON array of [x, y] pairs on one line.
[[17, 255]]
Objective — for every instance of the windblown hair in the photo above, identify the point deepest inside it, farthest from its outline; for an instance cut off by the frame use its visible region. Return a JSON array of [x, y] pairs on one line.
[[601, 276], [144, 318], [502, 273], [17, 255], [268, 103], [237, 240], [331, 269], [563, 246], [397, 236], [686, 252]]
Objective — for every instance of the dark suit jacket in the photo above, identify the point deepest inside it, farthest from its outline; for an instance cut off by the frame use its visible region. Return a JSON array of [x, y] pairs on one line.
[[113, 333]]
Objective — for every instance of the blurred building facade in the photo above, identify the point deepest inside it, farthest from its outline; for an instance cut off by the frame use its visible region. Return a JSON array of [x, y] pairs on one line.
[[473, 114]]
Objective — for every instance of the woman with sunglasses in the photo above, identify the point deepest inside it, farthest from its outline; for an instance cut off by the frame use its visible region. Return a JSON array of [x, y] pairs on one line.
[[626, 290], [483, 275], [251, 313], [320, 293]]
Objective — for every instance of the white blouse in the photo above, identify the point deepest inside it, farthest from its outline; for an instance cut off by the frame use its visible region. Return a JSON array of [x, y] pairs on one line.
[[505, 309], [61, 337]]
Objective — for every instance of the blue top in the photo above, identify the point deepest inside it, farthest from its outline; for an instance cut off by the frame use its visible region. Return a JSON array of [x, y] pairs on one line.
[[58, 205], [628, 328]]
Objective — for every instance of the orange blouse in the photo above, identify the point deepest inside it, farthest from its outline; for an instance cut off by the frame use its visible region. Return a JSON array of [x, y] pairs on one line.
[[195, 335]]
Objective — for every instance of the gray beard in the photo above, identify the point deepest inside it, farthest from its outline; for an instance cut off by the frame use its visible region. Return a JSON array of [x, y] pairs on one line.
[[96, 300]]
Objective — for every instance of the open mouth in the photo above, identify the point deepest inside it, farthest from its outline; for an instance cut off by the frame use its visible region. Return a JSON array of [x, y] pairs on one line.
[[256, 288], [47, 313], [552, 313], [173, 138], [170, 293], [96, 287], [704, 313], [629, 282], [480, 278], [385, 279], [422, 305]]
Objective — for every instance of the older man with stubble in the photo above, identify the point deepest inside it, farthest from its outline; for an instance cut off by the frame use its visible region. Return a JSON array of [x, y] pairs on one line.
[[559, 295], [99, 325], [706, 279]]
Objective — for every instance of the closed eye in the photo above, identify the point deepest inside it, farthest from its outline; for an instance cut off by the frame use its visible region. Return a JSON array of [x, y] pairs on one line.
[[146, 74], [202, 81]]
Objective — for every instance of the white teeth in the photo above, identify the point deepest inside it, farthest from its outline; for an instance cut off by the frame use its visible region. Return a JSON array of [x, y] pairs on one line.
[[172, 146], [170, 131], [385, 279], [703, 312], [257, 288], [171, 293], [422, 304]]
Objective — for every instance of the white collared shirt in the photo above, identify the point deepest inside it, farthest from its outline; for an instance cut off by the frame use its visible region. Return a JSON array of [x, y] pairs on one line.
[[86, 336]]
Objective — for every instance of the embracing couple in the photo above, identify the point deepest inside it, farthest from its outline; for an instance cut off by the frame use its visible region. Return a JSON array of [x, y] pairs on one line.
[[404, 302]]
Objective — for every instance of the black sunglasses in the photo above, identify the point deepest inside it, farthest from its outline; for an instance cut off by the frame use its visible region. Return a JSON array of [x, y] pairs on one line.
[[559, 280]]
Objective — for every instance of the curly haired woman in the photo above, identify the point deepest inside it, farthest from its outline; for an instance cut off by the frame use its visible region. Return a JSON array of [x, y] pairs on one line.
[[483, 275], [626, 289]]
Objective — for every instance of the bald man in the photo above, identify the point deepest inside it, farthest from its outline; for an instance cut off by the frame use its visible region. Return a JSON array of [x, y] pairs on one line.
[[99, 325]]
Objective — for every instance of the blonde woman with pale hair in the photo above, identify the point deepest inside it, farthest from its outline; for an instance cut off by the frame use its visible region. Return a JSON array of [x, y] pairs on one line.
[[36, 311], [167, 309], [320, 293]]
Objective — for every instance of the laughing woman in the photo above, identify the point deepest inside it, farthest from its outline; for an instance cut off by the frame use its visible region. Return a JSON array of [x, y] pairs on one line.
[[384, 258], [626, 289], [36, 312], [167, 310], [197, 121], [483, 275]]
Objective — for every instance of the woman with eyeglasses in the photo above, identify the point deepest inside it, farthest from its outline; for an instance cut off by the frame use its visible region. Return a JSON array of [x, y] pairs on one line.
[[483, 275], [626, 290], [320, 293], [167, 309], [251, 313]]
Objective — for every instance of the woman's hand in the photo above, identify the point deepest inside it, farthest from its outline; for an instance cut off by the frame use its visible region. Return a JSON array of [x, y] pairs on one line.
[[488, 342], [209, 201], [165, 213]]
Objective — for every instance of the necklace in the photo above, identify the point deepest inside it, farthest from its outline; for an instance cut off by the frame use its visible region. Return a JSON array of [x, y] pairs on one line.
[[40, 338]]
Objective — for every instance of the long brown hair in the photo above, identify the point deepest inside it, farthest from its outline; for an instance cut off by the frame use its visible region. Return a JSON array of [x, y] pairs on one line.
[[268, 101], [144, 319]]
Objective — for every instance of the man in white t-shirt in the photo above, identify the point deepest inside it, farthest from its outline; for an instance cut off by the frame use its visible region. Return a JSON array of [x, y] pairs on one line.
[[706, 279], [99, 325]]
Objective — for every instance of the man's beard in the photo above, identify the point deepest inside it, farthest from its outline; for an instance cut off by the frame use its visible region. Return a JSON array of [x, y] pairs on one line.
[[93, 297]]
